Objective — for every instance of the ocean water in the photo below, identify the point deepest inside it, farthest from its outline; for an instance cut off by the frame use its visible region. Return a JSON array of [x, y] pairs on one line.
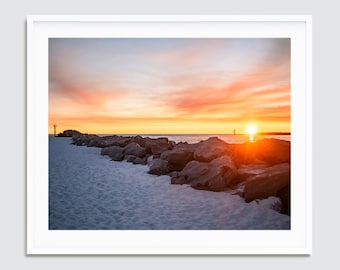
[[88, 191], [195, 138]]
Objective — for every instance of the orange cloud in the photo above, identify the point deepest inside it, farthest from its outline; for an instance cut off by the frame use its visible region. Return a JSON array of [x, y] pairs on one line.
[[78, 94], [255, 94]]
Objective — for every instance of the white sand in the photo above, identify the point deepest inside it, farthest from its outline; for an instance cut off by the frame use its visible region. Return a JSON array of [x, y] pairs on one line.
[[89, 191]]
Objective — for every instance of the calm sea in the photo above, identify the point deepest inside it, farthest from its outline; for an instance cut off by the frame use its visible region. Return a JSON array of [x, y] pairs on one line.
[[194, 138]]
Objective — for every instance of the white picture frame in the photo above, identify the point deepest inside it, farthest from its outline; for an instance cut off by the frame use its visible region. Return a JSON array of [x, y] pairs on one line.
[[297, 240]]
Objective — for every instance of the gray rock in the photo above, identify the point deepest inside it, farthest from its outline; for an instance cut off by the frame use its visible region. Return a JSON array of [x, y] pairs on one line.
[[135, 149], [159, 167], [130, 158], [139, 160], [177, 158], [179, 180], [114, 152], [173, 173], [108, 141], [220, 175], [267, 183], [79, 139], [194, 170], [245, 172], [157, 146], [114, 140], [95, 141], [210, 149], [215, 175], [140, 140], [69, 133]]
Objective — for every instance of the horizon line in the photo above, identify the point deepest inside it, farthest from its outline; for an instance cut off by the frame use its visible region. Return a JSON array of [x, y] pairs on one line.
[[258, 133]]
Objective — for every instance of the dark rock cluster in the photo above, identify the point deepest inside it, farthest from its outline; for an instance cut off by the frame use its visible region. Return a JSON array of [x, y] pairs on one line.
[[255, 170], [68, 133]]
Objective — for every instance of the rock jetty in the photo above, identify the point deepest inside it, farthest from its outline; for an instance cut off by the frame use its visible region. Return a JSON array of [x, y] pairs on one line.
[[254, 170]]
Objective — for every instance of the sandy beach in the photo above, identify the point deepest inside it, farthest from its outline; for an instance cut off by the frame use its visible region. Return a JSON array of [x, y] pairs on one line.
[[88, 191]]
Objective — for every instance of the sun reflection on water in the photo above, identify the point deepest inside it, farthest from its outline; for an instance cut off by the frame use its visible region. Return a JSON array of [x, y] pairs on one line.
[[251, 137]]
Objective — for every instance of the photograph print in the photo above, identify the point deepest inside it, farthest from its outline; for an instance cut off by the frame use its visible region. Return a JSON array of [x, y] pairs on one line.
[[169, 133]]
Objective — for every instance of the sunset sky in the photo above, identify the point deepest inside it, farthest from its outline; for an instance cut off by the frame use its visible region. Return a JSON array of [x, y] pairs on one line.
[[169, 85]]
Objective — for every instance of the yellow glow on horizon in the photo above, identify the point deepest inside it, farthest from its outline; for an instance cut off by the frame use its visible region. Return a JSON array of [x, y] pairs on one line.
[[173, 126]]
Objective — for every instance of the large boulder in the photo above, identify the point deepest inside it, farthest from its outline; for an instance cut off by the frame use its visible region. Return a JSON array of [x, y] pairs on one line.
[[220, 175], [114, 152], [210, 149], [139, 140], [269, 151], [179, 156], [245, 172], [157, 146], [135, 150], [177, 159], [192, 171], [267, 183], [159, 167], [216, 175]]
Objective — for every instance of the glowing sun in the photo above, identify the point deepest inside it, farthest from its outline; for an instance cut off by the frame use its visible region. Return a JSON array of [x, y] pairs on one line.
[[251, 130]]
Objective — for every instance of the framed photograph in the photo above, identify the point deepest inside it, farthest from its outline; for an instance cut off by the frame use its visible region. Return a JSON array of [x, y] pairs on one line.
[[169, 134]]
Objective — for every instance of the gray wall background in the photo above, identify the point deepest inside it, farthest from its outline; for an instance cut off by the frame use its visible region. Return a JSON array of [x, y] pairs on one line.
[[325, 127]]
